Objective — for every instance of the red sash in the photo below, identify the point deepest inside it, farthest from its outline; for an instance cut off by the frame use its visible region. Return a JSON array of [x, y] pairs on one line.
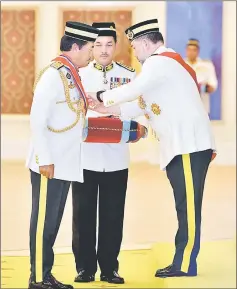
[[188, 68], [180, 60], [66, 62]]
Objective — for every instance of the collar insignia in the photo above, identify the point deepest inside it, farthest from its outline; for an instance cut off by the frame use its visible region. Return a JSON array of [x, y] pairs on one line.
[[103, 69], [125, 66]]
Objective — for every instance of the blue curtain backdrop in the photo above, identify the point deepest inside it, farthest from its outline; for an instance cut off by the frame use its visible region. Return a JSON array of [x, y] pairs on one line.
[[201, 20]]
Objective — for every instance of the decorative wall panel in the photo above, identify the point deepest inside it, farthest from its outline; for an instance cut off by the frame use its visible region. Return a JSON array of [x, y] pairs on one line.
[[122, 19], [201, 20], [17, 60]]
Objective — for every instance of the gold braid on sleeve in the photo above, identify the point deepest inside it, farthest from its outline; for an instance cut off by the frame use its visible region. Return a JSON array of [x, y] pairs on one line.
[[39, 76], [80, 105]]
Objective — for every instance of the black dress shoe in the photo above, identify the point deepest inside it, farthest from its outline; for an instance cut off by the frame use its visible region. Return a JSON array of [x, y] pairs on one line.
[[50, 282], [112, 278], [83, 276], [172, 271], [40, 285]]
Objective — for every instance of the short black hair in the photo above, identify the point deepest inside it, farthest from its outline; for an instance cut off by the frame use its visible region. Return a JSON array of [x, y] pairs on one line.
[[193, 42], [67, 42], [114, 37], [154, 37]]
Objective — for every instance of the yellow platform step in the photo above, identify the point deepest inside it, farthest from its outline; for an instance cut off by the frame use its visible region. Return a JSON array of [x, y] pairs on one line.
[[217, 268], [216, 265]]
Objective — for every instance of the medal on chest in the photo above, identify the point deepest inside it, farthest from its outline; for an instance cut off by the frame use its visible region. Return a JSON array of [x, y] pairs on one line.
[[105, 81], [118, 81]]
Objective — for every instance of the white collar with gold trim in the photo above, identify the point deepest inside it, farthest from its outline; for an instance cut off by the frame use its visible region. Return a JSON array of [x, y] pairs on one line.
[[101, 68]]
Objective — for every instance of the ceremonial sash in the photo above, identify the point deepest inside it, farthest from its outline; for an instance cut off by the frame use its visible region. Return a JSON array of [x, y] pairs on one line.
[[180, 60], [188, 68], [67, 63]]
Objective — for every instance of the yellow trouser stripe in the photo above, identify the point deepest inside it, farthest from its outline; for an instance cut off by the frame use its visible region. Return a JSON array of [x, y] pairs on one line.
[[40, 230], [190, 212]]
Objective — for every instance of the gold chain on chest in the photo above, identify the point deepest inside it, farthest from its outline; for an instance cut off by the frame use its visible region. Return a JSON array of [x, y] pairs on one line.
[[78, 110]]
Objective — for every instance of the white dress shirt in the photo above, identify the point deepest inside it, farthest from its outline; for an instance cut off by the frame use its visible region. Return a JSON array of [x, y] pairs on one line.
[[97, 156]]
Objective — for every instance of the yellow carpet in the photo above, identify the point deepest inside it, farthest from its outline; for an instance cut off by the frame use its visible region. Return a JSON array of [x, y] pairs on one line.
[[217, 265], [217, 269]]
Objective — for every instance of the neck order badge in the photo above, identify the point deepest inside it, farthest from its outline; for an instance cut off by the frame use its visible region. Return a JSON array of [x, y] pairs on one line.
[[66, 62]]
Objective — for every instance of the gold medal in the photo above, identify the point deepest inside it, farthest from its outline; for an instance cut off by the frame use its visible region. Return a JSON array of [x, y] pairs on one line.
[[105, 80]]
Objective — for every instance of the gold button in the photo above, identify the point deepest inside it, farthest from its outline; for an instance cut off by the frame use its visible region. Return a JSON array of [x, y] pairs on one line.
[[147, 116], [141, 103]]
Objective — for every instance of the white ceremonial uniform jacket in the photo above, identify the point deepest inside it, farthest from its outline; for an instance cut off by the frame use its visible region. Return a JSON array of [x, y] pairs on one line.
[[56, 126], [97, 156], [171, 102], [206, 74]]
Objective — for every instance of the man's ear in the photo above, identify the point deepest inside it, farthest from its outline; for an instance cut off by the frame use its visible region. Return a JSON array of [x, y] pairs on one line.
[[75, 47], [145, 42]]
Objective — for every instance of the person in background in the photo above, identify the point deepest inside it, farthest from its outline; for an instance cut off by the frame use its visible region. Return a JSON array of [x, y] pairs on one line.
[[205, 71]]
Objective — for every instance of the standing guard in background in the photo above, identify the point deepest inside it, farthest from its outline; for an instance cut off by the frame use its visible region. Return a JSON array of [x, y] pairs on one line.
[[205, 71]]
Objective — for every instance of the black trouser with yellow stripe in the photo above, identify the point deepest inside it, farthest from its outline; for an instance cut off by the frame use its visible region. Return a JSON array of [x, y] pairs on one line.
[[48, 202], [187, 174]]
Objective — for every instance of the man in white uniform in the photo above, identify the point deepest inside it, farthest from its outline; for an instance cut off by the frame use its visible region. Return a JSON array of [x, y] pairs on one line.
[[56, 119], [171, 101], [205, 71], [105, 172]]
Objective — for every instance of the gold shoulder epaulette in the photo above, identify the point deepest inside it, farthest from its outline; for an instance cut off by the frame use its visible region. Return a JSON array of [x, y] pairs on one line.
[[125, 66], [56, 64]]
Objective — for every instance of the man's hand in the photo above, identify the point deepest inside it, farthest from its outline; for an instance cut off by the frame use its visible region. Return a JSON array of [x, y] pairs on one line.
[[47, 171], [209, 88], [92, 100], [141, 133], [206, 88], [91, 95], [99, 107], [93, 103]]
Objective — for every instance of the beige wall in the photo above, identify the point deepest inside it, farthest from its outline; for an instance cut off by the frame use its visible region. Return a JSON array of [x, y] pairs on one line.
[[15, 129]]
